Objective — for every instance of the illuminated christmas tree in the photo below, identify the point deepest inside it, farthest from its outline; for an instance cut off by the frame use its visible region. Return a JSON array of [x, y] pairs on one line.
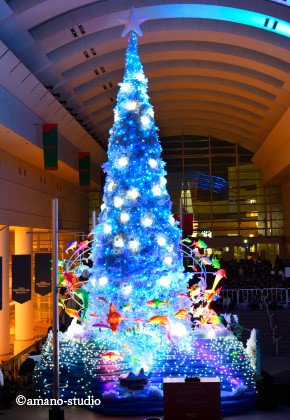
[[132, 325], [136, 250]]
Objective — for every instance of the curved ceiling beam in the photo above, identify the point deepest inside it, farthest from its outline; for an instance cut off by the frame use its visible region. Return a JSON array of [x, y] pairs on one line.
[[184, 65], [162, 107], [234, 129], [204, 129], [188, 94], [105, 20], [234, 91], [246, 13], [153, 52], [173, 117]]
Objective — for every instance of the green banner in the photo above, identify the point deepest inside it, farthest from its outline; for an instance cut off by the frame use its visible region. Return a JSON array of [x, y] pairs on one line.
[[50, 146], [84, 169]]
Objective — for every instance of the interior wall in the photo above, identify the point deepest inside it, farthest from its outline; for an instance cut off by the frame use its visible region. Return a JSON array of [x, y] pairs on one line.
[[26, 193]]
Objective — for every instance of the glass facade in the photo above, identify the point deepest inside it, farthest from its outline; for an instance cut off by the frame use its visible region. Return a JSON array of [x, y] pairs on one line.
[[220, 185]]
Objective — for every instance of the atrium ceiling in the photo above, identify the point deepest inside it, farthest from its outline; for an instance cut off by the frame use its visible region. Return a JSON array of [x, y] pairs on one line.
[[215, 68]]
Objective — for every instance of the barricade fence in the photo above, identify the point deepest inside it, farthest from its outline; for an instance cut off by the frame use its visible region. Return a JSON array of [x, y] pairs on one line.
[[278, 295]]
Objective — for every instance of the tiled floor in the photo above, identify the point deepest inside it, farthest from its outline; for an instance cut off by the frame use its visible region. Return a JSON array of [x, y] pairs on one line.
[[78, 413], [271, 364]]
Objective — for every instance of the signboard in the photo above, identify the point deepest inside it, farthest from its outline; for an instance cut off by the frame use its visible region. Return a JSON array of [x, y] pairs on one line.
[[21, 278], [43, 273], [192, 400]]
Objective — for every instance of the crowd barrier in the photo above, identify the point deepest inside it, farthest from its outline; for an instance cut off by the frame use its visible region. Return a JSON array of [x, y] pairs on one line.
[[279, 295]]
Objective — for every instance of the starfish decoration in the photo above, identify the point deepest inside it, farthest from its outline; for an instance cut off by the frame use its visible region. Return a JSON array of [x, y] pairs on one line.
[[132, 23]]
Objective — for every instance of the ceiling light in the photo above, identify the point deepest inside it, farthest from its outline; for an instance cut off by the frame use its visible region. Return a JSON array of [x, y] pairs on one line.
[[81, 28], [74, 33]]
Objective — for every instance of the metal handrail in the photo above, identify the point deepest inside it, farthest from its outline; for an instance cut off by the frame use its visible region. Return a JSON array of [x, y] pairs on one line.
[[273, 325], [16, 360], [281, 293]]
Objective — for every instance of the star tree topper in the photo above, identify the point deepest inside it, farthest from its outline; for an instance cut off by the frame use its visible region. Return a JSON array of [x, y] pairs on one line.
[[132, 23]]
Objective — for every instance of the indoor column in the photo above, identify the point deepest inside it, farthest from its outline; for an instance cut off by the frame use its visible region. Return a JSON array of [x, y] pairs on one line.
[[4, 313], [24, 335]]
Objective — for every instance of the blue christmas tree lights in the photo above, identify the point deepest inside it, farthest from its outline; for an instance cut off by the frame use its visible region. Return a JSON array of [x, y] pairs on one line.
[[136, 252]]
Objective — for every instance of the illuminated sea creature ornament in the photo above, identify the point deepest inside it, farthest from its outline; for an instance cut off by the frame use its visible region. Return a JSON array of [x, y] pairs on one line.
[[157, 303], [103, 299], [133, 331], [114, 318], [199, 244], [101, 325], [71, 246], [126, 306], [182, 313], [220, 274], [215, 263], [182, 295], [206, 260], [82, 246], [84, 296], [161, 320], [73, 313], [68, 280], [113, 356]]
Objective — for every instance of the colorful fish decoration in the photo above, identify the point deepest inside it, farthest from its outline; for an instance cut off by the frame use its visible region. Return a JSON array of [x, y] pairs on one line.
[[220, 274], [73, 313], [61, 303], [70, 246], [68, 279], [82, 246], [126, 306], [127, 347], [133, 331], [199, 244], [215, 263], [139, 320], [161, 320], [196, 251], [84, 296], [186, 240], [101, 325], [103, 299], [157, 303], [113, 356], [182, 295], [182, 313], [206, 260]]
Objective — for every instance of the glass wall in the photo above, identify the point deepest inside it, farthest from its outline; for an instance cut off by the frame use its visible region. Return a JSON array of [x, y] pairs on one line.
[[220, 185]]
